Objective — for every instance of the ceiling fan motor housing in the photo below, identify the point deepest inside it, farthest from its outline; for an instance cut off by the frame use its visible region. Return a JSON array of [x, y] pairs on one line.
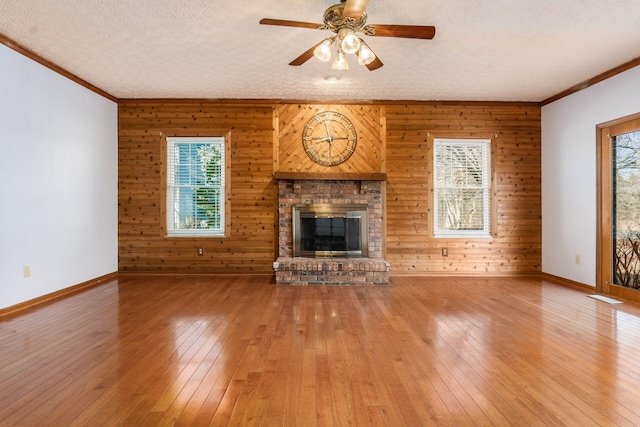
[[334, 20]]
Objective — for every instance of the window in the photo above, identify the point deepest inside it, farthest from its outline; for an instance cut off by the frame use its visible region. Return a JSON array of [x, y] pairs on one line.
[[461, 187], [195, 186]]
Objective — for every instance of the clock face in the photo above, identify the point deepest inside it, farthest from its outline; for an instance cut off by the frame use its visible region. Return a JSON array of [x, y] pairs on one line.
[[329, 138]]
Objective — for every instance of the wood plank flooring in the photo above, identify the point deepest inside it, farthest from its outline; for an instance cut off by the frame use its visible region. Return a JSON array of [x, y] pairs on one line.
[[240, 351]]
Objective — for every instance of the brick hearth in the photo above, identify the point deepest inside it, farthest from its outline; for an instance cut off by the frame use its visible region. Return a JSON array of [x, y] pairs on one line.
[[330, 271]]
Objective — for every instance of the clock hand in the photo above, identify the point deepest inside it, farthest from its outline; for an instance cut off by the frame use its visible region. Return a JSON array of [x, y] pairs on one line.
[[326, 125]]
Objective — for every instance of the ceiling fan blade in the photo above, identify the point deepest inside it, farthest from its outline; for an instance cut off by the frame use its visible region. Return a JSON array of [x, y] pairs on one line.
[[354, 8], [285, 23], [426, 32], [375, 64], [305, 56]]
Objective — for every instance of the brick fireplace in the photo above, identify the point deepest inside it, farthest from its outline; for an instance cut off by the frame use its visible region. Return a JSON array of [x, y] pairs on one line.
[[294, 191]]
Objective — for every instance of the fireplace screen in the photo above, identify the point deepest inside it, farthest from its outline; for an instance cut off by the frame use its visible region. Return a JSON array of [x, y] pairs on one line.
[[326, 230]]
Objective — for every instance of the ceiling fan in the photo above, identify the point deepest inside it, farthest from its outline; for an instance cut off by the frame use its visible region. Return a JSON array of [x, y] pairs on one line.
[[346, 19]]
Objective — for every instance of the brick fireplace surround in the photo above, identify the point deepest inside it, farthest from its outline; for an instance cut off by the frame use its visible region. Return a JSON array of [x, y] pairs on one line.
[[330, 271]]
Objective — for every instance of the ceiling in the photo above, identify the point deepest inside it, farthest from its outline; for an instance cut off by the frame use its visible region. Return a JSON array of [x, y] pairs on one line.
[[490, 50]]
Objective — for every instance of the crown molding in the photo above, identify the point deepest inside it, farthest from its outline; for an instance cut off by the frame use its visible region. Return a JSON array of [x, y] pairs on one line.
[[12, 44], [592, 81]]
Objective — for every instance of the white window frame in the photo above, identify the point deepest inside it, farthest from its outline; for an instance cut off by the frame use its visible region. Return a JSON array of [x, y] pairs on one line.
[[172, 203], [485, 187]]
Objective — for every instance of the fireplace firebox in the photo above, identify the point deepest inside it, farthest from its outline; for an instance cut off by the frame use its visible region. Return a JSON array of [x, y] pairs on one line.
[[330, 230]]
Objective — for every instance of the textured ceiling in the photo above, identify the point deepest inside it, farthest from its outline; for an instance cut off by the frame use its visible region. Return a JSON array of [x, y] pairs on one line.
[[496, 50]]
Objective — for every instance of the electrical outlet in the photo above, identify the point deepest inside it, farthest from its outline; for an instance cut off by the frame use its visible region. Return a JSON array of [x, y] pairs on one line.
[[200, 251], [445, 252], [578, 260], [26, 271], [276, 264]]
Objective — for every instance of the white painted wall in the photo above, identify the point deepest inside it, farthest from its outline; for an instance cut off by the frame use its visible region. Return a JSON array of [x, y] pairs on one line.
[[569, 172], [58, 181]]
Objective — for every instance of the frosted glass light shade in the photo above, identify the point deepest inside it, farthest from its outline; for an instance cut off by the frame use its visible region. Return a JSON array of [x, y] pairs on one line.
[[340, 63], [350, 43], [365, 55], [323, 51]]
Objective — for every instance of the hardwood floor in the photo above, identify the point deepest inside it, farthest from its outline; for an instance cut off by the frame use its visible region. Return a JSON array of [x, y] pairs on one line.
[[237, 350]]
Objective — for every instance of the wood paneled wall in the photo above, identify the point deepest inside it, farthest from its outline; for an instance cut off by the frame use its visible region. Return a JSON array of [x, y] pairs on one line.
[[393, 138], [516, 246], [143, 247]]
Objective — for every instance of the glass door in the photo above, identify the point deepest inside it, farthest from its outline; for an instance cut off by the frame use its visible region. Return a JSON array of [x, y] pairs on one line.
[[618, 203], [625, 210]]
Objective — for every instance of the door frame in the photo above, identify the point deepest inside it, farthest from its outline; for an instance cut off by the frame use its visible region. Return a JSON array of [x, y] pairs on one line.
[[604, 131]]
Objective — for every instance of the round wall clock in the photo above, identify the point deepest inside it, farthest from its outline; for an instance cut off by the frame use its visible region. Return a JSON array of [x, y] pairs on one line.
[[329, 138]]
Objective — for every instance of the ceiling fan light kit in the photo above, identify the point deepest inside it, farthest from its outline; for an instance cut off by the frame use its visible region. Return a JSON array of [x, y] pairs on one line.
[[346, 19], [323, 51]]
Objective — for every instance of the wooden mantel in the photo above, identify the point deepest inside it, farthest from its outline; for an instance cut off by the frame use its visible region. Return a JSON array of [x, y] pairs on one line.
[[335, 176]]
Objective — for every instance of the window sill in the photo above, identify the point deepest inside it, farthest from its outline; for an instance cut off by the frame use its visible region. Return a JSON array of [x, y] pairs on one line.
[[195, 236], [463, 236]]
